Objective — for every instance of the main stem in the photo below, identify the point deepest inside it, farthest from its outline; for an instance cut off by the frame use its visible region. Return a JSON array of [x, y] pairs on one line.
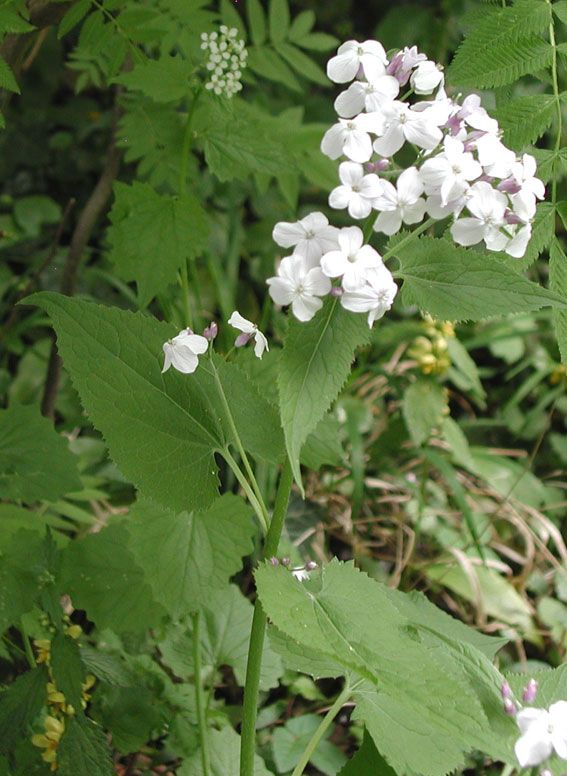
[[556, 94], [199, 700], [254, 664]]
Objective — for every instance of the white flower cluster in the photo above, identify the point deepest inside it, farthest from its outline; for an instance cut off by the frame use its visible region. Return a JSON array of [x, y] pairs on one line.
[[227, 58], [462, 169]]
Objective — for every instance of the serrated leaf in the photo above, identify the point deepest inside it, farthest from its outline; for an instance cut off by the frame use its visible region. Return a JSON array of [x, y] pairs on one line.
[[35, 462], [367, 760], [7, 78], [454, 283], [67, 668], [525, 119], [503, 45], [298, 657], [152, 235], [20, 704], [560, 10], [11, 21], [315, 363], [267, 63], [302, 63], [161, 429], [423, 406], [225, 635], [256, 21], [279, 20], [185, 556], [290, 740], [106, 667], [164, 80], [83, 750], [558, 282], [74, 15], [224, 749]]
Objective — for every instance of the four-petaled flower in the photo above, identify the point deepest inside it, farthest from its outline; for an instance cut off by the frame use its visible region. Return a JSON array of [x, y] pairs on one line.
[[544, 731], [449, 173], [357, 192], [353, 56], [350, 137], [249, 330], [401, 203], [353, 259], [182, 351], [375, 297], [402, 123], [488, 207], [300, 286], [311, 237], [426, 77]]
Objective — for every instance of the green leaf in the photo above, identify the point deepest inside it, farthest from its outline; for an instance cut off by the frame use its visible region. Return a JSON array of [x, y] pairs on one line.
[[163, 80], [7, 78], [256, 21], [133, 714], [267, 63], [67, 668], [224, 749], [301, 25], [74, 15], [20, 704], [106, 667], [83, 750], [454, 284], [560, 10], [232, 18], [188, 555], [302, 63], [101, 575], [279, 20], [323, 446], [35, 461], [525, 119], [161, 429], [317, 41], [297, 657], [11, 21], [367, 760], [315, 363], [558, 282], [290, 740], [503, 45], [423, 407], [152, 236], [225, 635]]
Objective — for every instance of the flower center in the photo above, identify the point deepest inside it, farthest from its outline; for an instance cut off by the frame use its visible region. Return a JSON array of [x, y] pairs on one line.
[[456, 169], [356, 188], [351, 125], [352, 258], [310, 234], [360, 51]]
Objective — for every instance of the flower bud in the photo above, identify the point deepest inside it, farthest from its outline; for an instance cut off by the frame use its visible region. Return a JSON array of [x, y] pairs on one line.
[[285, 561], [510, 707], [506, 690], [274, 561], [211, 331], [310, 565], [530, 691], [336, 291], [242, 340]]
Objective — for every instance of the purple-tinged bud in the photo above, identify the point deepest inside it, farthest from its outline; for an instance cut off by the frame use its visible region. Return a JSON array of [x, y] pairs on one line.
[[285, 561], [530, 691], [454, 125], [211, 331], [242, 340], [310, 565], [274, 562], [506, 690], [485, 178], [370, 167], [381, 164], [336, 291], [189, 330], [512, 218], [510, 708], [395, 65], [510, 186]]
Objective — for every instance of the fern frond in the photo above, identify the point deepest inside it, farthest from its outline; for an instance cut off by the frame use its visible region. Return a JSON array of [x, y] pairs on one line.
[[525, 119]]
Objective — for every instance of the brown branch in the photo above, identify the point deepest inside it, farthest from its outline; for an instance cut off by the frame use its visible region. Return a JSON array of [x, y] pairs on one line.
[[81, 236]]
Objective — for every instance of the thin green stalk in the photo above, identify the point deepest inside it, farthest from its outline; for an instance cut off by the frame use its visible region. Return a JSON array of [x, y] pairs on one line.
[[556, 94], [184, 283], [254, 664], [321, 730], [411, 236], [250, 495], [199, 700]]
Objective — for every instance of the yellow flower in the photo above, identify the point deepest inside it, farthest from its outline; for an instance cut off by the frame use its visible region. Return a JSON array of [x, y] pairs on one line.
[[74, 631], [43, 647], [49, 740]]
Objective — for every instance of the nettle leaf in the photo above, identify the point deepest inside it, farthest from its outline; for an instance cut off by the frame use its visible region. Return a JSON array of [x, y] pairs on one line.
[[503, 45], [67, 668], [367, 760], [525, 119], [424, 404], [107, 667], [225, 635], [164, 80], [224, 750], [417, 679], [298, 657], [289, 741], [186, 556], [161, 429], [35, 461], [455, 284], [102, 576], [23, 567], [558, 282], [20, 704], [315, 364], [83, 750], [153, 234]]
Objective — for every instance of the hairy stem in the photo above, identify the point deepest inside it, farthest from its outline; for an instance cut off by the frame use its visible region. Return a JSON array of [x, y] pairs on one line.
[[254, 664], [199, 699]]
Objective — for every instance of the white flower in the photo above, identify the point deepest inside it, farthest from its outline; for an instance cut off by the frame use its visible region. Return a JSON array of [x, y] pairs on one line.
[[401, 203], [350, 137], [370, 96], [403, 63], [183, 350], [300, 573], [403, 124], [523, 172], [448, 173], [352, 55], [312, 237], [496, 159], [353, 259], [249, 330], [543, 732], [227, 57], [299, 285], [475, 116], [487, 206], [426, 77], [375, 297], [357, 191]]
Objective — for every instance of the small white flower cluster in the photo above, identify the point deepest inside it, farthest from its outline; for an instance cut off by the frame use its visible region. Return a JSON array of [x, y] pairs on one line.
[[462, 169], [227, 59]]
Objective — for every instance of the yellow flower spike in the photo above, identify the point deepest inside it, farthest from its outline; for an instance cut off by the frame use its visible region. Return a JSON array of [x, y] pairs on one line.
[[40, 740], [89, 682], [54, 725], [43, 647], [74, 631], [448, 329]]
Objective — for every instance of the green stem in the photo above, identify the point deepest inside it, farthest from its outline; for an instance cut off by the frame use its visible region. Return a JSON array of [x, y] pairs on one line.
[[250, 495], [321, 730], [411, 236], [184, 282], [199, 700], [254, 664], [27, 645], [556, 94]]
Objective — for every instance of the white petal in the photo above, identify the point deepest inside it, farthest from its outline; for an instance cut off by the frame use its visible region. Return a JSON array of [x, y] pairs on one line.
[[305, 307], [350, 240], [167, 349], [334, 264], [358, 146], [372, 66], [388, 197], [533, 747], [354, 277], [436, 209], [376, 49], [467, 231], [287, 234], [359, 301], [434, 172], [358, 206], [423, 134], [494, 239], [184, 360], [518, 245], [413, 214], [343, 67], [389, 222], [530, 716], [391, 142], [409, 185], [316, 283], [340, 197], [371, 186], [197, 344], [352, 101], [524, 205], [333, 141], [373, 122], [261, 344], [280, 291], [558, 718], [239, 322], [315, 222], [351, 173], [368, 257]]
